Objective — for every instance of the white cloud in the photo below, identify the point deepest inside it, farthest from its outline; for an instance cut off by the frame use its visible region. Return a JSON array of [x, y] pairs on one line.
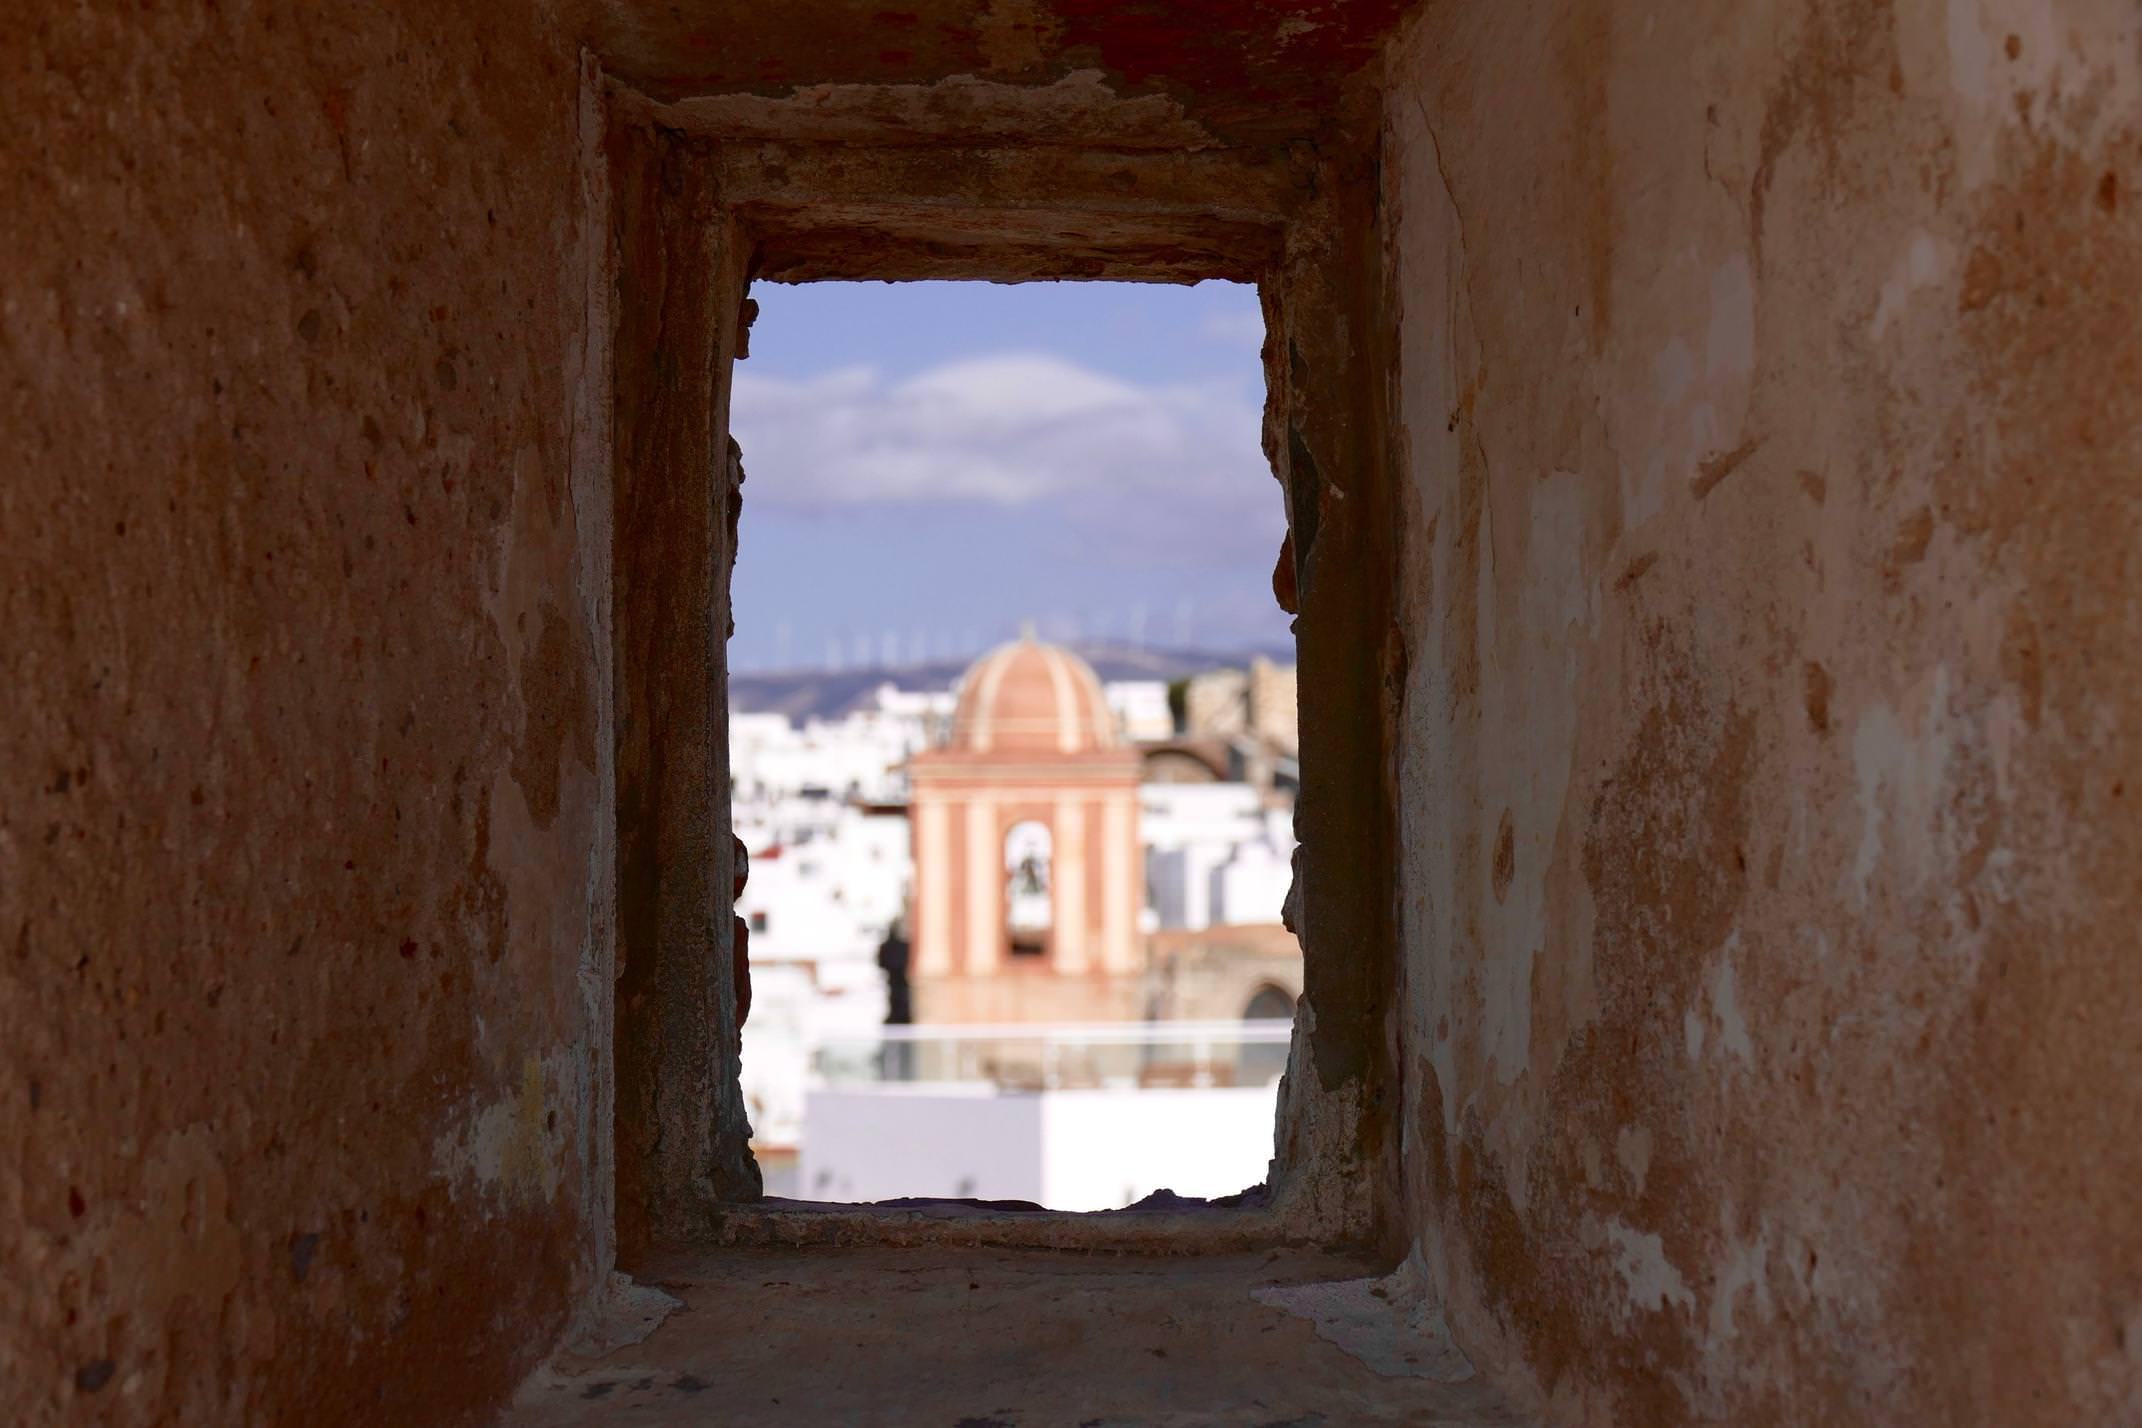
[[1151, 470]]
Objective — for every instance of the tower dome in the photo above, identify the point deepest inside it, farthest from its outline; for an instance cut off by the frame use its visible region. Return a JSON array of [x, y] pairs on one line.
[[1027, 697]]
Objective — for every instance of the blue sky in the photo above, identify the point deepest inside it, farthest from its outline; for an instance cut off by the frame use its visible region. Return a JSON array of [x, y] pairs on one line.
[[930, 464]]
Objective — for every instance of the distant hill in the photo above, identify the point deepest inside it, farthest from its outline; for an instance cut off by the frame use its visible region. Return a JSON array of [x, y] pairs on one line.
[[828, 694]]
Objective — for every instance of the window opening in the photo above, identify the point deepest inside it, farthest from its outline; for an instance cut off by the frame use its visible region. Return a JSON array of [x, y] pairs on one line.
[[1007, 663], [1029, 898]]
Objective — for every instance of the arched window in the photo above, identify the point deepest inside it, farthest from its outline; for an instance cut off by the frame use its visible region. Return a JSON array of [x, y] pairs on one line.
[[1258, 1062], [1029, 893]]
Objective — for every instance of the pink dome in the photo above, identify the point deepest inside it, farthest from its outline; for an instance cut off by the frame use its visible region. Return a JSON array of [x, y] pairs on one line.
[[1031, 698]]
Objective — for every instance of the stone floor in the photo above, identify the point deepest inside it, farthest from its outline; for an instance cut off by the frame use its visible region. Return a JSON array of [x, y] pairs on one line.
[[1012, 1339]]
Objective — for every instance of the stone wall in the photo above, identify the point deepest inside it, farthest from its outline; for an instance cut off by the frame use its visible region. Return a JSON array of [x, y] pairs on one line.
[[303, 880], [1773, 703], [682, 1138]]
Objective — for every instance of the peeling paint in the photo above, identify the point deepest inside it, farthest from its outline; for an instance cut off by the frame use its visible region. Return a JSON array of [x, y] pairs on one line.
[[1651, 1281], [1900, 772], [1632, 1149], [505, 1147], [1924, 265]]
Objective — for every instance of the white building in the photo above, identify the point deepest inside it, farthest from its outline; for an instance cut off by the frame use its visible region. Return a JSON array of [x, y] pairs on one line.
[[861, 755], [1092, 1117], [818, 809], [1141, 707], [1215, 854], [827, 879], [1099, 1149]]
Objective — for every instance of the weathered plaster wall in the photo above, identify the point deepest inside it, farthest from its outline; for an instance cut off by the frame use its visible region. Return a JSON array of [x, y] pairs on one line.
[[1324, 433], [683, 1141], [1195, 71], [1769, 391], [303, 884]]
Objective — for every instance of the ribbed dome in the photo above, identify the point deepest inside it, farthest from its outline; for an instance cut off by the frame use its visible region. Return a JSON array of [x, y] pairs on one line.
[[1030, 698]]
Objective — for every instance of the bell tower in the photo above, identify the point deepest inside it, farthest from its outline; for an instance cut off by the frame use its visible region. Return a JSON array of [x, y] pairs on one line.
[[1028, 881]]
